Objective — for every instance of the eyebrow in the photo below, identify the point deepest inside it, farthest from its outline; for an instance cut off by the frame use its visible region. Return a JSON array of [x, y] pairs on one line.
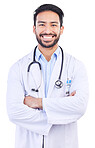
[[55, 22], [45, 22], [41, 22]]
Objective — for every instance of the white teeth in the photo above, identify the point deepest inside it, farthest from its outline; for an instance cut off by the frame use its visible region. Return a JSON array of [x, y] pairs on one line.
[[47, 37]]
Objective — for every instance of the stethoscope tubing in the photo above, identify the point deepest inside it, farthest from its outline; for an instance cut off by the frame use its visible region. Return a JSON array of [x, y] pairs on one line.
[[58, 83]]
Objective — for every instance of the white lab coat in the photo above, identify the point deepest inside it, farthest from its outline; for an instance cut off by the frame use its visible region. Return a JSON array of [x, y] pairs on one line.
[[58, 121]]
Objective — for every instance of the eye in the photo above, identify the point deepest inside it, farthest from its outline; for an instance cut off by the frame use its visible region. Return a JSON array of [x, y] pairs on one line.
[[53, 25], [41, 24]]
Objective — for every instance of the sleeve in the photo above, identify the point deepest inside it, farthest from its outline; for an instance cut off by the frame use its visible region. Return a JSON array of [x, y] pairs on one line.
[[20, 114], [65, 110]]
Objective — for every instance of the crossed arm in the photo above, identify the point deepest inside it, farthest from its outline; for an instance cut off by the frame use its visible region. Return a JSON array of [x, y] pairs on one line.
[[33, 102], [36, 103]]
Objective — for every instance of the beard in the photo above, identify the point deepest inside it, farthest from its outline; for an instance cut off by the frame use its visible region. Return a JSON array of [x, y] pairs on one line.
[[50, 45]]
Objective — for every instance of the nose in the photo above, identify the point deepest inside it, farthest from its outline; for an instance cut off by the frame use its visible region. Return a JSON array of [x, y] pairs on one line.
[[48, 29]]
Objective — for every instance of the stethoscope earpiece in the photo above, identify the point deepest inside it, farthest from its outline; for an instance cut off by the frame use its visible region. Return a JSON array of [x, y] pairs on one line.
[[36, 90]]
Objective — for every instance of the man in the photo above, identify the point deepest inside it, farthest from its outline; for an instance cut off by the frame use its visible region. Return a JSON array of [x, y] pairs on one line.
[[47, 89]]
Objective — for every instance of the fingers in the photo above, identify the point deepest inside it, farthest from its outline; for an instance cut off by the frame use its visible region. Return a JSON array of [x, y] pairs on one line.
[[35, 103], [73, 93]]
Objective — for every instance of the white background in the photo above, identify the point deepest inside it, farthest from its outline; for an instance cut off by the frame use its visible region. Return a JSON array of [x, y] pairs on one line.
[[17, 39]]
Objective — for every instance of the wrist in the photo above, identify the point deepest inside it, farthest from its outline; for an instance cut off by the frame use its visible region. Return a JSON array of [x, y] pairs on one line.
[[40, 106]]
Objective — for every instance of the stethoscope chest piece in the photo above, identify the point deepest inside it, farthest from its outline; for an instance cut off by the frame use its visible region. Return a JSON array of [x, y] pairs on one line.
[[58, 84]]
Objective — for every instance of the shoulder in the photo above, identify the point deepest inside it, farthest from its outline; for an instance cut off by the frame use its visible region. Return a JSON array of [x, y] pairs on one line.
[[70, 59], [23, 61], [73, 65]]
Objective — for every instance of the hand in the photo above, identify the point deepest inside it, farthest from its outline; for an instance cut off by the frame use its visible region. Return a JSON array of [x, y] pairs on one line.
[[73, 93], [32, 102]]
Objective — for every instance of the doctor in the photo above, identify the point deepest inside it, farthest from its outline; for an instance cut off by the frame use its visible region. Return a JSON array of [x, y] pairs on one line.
[[47, 89]]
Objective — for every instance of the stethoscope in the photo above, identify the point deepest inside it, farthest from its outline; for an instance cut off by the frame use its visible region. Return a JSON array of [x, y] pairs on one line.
[[58, 83]]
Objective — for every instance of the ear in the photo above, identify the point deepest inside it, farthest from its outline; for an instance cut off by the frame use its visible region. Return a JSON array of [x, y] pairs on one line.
[[62, 29], [34, 29]]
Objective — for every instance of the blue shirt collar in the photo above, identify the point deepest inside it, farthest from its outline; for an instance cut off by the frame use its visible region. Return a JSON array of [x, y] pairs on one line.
[[39, 54]]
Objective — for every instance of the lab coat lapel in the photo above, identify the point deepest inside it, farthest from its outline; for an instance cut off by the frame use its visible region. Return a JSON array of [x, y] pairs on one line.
[[55, 75], [38, 79], [41, 90]]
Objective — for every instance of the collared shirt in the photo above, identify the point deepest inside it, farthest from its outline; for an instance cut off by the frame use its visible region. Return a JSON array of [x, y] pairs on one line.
[[47, 67]]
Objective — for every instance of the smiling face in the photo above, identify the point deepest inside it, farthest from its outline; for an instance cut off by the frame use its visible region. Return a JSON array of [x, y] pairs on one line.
[[47, 29]]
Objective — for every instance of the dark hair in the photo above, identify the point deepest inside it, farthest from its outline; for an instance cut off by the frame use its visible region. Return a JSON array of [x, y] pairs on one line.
[[49, 7]]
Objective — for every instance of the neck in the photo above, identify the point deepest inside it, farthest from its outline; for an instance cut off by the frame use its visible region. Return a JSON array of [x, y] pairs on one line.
[[47, 52]]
